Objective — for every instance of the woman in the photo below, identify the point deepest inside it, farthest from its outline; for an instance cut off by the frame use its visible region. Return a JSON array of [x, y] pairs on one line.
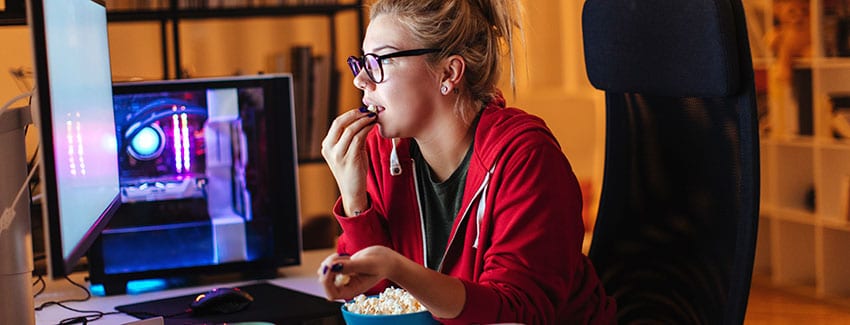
[[468, 205]]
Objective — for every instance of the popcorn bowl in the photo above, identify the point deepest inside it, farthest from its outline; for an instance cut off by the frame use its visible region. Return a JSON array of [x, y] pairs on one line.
[[415, 318]]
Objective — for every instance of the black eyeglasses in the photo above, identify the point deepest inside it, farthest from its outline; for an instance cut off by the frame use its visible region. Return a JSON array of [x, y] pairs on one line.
[[371, 62]]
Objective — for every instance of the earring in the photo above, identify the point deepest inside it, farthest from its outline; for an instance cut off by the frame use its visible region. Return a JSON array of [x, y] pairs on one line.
[[444, 90]]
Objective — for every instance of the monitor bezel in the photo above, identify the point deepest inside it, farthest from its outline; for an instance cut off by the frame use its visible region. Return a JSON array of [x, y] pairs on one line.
[[57, 265], [288, 254]]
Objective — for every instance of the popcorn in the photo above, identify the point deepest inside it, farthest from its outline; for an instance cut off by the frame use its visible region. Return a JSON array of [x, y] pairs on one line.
[[393, 301], [341, 279], [372, 108]]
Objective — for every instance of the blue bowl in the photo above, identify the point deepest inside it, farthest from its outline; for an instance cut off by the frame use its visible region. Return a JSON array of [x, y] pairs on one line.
[[417, 318]]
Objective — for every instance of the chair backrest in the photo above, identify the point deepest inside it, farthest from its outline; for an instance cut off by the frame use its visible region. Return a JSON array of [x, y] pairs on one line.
[[675, 236]]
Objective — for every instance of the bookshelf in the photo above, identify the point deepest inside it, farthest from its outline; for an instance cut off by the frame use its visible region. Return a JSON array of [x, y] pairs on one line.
[[13, 13], [169, 13], [313, 114], [805, 163]]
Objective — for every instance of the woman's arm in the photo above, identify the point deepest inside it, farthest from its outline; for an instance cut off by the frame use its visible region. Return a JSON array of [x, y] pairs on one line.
[[344, 150], [443, 295]]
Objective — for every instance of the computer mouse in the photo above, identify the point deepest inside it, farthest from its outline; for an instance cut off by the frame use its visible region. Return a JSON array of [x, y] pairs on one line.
[[220, 301]]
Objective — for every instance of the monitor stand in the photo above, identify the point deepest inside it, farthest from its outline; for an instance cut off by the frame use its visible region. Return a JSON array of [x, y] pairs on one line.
[[118, 285], [16, 264]]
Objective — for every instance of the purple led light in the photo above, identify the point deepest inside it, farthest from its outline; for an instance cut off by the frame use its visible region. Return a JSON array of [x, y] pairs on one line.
[[178, 144], [184, 118]]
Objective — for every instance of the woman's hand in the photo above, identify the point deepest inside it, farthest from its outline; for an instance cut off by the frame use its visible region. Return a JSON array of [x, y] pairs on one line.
[[343, 149], [365, 269]]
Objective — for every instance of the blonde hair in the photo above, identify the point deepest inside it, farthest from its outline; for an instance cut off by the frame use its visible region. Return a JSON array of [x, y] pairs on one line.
[[477, 30]]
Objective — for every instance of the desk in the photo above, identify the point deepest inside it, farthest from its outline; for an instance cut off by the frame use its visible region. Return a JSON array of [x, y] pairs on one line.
[[301, 278]]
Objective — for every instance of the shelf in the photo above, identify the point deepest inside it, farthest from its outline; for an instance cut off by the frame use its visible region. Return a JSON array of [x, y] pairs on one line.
[[170, 15], [798, 216], [805, 234], [12, 19], [834, 144], [831, 63], [792, 257], [800, 141], [836, 244], [229, 13], [14, 13], [836, 224], [807, 63]]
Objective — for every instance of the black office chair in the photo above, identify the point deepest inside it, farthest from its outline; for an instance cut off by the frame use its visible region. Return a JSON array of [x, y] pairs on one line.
[[675, 235]]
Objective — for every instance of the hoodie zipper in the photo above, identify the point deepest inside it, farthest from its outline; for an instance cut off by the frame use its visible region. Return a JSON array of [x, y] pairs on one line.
[[477, 196], [421, 216]]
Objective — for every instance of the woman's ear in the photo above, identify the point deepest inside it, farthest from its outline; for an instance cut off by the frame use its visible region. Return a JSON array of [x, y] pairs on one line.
[[453, 70]]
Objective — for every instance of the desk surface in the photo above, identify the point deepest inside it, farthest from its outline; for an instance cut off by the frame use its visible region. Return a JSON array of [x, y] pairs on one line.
[[301, 278]]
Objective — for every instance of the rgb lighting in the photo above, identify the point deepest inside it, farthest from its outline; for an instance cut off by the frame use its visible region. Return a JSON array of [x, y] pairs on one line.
[[148, 143]]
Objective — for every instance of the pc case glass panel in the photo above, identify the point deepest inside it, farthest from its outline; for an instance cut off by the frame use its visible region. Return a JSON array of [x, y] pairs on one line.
[[207, 180]]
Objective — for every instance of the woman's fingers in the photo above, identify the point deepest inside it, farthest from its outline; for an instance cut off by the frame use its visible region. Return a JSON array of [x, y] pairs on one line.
[[343, 278], [345, 153], [350, 141], [347, 121], [356, 142]]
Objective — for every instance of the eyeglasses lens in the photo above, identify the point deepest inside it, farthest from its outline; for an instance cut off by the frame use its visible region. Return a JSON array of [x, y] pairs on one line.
[[354, 65], [373, 68], [371, 63]]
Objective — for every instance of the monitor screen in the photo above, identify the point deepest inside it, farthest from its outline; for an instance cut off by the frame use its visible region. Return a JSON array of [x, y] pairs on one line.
[[208, 177], [72, 107]]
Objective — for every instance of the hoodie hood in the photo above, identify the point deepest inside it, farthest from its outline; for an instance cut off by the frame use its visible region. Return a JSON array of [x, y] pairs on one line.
[[498, 127]]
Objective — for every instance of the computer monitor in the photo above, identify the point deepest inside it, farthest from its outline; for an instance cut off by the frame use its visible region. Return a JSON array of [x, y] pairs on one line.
[[72, 108], [208, 176]]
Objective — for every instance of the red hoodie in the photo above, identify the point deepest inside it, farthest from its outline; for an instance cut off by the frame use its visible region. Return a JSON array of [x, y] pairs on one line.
[[516, 243]]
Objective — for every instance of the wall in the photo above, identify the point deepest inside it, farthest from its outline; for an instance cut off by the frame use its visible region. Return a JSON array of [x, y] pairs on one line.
[[552, 86], [15, 54], [555, 87]]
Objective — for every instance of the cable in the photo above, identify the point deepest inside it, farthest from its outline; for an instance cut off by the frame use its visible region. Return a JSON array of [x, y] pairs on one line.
[[51, 303], [43, 286], [12, 101], [92, 315], [9, 213]]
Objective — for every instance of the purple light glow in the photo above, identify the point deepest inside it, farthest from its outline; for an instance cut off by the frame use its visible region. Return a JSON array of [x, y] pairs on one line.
[[187, 163], [178, 150]]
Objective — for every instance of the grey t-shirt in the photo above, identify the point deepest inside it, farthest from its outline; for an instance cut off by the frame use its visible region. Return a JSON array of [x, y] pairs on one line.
[[440, 203]]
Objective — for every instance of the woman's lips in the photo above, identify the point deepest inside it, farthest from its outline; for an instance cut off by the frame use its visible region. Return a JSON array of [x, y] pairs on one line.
[[372, 109]]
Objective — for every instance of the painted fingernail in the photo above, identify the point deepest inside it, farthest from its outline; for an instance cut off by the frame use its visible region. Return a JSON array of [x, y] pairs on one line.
[[372, 115], [344, 254], [336, 267], [325, 269], [364, 109]]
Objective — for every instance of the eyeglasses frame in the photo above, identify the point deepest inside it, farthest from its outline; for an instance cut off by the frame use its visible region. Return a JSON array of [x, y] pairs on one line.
[[356, 64]]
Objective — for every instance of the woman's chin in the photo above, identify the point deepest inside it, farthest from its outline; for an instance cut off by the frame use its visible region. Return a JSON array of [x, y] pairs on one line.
[[388, 132], [382, 131]]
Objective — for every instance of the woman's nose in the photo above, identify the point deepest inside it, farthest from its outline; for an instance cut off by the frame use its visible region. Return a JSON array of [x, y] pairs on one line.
[[361, 80]]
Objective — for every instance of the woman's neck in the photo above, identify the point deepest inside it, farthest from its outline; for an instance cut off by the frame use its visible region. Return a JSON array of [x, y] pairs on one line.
[[445, 147]]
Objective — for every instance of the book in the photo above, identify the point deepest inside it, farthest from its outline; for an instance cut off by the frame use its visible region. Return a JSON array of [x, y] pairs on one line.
[[302, 77], [322, 85]]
